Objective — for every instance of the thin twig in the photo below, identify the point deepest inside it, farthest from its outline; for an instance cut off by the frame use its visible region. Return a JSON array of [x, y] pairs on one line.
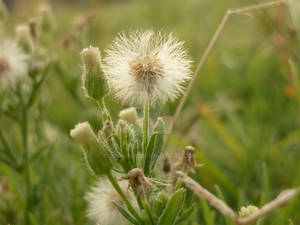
[[282, 199], [210, 48], [205, 194]]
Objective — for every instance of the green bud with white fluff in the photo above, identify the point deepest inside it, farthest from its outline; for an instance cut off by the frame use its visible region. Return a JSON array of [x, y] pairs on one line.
[[93, 79], [96, 154]]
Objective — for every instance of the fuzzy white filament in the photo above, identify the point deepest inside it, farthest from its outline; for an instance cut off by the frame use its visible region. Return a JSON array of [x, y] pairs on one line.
[[146, 66], [13, 65], [100, 203]]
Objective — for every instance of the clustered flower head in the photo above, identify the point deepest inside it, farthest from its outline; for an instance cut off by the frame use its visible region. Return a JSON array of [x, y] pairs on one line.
[[13, 65], [146, 65], [247, 211]]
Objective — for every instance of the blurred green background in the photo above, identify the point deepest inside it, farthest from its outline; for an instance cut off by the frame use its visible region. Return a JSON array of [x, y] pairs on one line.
[[242, 114]]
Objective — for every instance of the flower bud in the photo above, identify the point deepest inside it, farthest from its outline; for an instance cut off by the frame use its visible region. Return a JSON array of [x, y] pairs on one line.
[[24, 37], [47, 20], [97, 156], [247, 211], [33, 29], [93, 80], [129, 115]]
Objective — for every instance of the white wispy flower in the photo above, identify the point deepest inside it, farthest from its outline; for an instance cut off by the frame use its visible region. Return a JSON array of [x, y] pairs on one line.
[[100, 207], [13, 65], [146, 65]]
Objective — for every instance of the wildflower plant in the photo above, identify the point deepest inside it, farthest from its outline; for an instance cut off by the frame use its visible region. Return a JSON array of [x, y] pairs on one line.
[[147, 68]]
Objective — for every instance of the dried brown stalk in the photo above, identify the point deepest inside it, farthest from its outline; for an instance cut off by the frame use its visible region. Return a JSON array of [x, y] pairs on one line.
[[210, 47], [205, 194], [282, 199]]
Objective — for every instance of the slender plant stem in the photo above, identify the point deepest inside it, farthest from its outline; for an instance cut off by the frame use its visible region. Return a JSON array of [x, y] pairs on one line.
[[26, 165], [105, 113], [8, 149], [147, 209], [210, 48], [115, 184], [146, 124]]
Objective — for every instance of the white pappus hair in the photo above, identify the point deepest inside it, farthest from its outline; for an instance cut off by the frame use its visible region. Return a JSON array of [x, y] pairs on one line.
[[146, 65]]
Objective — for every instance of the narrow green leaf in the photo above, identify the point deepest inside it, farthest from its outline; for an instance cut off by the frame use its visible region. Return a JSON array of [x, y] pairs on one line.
[[125, 213], [221, 196], [159, 128], [208, 215], [33, 220], [149, 152], [265, 196], [160, 203], [185, 215], [173, 208]]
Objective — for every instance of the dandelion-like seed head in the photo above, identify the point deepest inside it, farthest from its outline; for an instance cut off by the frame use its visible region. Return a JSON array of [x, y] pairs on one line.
[[13, 65], [100, 203], [146, 65]]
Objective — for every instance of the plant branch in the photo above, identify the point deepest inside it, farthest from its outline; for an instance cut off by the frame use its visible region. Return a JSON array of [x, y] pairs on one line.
[[205, 194], [210, 48], [282, 199]]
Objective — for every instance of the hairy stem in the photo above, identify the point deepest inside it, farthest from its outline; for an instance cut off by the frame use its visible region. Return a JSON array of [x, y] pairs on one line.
[[26, 165], [105, 113], [146, 124]]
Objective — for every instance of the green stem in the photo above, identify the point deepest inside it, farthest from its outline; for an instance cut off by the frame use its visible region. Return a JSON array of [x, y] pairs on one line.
[[126, 201], [147, 208], [26, 165], [105, 113], [8, 150], [146, 125]]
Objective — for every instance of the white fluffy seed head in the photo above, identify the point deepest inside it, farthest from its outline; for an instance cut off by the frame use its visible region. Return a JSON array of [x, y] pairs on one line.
[[247, 211], [146, 65], [100, 207], [13, 65]]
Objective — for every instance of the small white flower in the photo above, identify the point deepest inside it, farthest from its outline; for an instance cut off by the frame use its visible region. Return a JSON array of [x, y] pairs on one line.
[[248, 211], [13, 65], [146, 65], [100, 207]]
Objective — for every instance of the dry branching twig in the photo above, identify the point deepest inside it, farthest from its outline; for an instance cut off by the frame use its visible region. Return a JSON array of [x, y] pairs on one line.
[[282, 199], [210, 47], [205, 194]]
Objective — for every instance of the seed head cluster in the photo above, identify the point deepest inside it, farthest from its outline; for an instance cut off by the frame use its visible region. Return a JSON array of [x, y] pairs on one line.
[[13, 65], [145, 65]]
